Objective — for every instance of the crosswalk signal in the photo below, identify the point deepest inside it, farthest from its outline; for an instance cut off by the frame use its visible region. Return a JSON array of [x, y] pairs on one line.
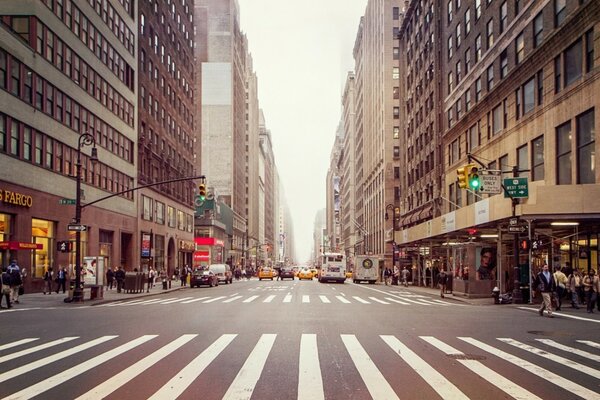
[[202, 191], [474, 180], [463, 176]]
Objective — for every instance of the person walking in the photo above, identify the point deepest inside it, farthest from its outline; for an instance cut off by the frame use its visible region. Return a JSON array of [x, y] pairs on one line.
[[387, 274], [48, 280], [404, 275], [110, 278], [574, 287], [61, 280], [15, 280], [544, 282], [183, 276], [561, 286], [442, 282], [590, 282], [120, 277], [151, 275], [5, 288]]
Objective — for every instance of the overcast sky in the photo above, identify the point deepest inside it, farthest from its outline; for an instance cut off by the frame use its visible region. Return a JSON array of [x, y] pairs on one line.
[[302, 52]]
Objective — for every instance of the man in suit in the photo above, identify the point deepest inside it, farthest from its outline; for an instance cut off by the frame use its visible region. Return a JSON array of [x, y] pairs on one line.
[[544, 282]]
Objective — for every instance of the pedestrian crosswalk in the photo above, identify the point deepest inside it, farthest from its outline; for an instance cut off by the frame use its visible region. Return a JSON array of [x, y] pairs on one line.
[[447, 366], [288, 298]]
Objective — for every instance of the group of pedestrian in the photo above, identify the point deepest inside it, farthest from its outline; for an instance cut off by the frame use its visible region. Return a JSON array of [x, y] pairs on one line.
[[11, 284], [115, 277], [581, 288]]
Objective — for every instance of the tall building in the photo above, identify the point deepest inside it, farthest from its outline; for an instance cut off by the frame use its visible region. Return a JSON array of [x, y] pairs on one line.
[[166, 133], [332, 190], [67, 74]]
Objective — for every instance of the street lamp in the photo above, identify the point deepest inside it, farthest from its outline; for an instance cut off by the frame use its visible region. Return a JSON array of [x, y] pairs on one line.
[[396, 211], [85, 139]]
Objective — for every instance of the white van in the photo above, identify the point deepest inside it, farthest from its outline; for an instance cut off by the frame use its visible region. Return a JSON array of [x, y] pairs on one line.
[[222, 271]]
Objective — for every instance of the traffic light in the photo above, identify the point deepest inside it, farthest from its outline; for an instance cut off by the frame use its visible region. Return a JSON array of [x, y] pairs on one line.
[[202, 191], [474, 181], [64, 246], [463, 176], [524, 244]]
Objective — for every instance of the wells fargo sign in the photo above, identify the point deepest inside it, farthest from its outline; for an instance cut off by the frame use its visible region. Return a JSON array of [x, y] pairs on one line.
[[14, 198]]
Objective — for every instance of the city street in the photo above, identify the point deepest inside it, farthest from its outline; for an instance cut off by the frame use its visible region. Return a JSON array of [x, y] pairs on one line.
[[295, 340]]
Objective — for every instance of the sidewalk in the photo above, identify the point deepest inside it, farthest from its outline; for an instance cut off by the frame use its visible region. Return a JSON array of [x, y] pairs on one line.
[[40, 300]]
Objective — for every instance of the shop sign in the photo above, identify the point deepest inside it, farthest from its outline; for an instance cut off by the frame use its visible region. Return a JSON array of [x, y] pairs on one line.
[[201, 255], [11, 245], [186, 245], [449, 222], [146, 245], [14, 198], [482, 211]]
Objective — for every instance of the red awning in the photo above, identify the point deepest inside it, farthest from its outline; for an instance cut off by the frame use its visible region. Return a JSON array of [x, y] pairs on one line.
[[12, 245], [208, 241]]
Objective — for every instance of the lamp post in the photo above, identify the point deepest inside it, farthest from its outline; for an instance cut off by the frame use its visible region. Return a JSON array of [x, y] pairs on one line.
[[85, 139], [396, 211]]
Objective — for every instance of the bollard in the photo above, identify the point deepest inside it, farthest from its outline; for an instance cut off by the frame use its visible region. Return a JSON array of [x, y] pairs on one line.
[[496, 295]]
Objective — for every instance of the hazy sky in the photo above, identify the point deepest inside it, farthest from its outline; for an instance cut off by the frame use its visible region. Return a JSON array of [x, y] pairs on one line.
[[302, 52]]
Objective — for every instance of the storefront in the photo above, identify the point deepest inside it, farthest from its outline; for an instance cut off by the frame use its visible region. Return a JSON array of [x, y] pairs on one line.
[[208, 250]]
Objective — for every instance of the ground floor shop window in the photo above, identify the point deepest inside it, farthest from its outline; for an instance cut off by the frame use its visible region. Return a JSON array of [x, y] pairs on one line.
[[4, 236], [42, 232], [159, 252]]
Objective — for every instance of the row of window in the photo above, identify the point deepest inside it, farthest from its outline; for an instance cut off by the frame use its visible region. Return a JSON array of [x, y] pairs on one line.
[[19, 80], [154, 210], [171, 67], [159, 145], [169, 97], [55, 51], [63, 9], [91, 37], [25, 143]]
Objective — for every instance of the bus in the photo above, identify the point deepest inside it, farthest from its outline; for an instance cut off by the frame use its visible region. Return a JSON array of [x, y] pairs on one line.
[[333, 268]]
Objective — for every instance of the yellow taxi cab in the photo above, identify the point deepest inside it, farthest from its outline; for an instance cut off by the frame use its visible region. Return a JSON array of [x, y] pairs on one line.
[[315, 272], [266, 273], [348, 274], [305, 274]]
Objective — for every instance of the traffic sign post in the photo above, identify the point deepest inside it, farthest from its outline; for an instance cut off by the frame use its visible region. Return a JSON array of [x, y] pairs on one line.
[[490, 184], [76, 228], [67, 202], [516, 229], [516, 188]]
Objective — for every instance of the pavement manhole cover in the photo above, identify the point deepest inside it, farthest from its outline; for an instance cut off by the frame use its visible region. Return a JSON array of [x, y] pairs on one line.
[[466, 357]]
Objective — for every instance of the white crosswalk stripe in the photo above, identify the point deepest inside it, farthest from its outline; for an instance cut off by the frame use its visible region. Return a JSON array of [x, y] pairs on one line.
[[360, 300], [311, 383], [590, 343], [324, 299], [343, 299]]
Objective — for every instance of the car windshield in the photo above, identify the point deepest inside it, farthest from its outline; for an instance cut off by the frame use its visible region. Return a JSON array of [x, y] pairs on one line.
[[205, 272]]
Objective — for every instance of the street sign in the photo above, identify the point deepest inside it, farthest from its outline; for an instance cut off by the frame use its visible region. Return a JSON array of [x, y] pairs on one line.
[[76, 228], [517, 229], [490, 184], [513, 221], [516, 187], [65, 202]]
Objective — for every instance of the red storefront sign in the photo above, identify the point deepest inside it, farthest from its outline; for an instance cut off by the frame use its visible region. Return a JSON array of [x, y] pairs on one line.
[[208, 241], [201, 256], [11, 245]]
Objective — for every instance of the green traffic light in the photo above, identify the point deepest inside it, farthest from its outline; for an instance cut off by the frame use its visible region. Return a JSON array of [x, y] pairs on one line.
[[474, 182]]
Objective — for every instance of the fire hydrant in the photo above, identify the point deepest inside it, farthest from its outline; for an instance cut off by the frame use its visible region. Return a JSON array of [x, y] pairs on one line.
[[496, 295]]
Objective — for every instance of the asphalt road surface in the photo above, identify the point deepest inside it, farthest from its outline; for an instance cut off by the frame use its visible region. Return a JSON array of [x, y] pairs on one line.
[[296, 340]]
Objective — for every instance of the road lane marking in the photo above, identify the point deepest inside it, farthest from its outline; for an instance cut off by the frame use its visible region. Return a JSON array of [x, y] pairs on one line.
[[437, 381], [232, 299], [30, 350], [310, 382], [79, 369], [590, 343], [55, 357], [398, 301], [244, 383], [160, 301], [213, 299], [305, 299], [360, 300], [378, 386], [343, 299], [324, 299], [378, 301], [507, 386], [561, 360], [195, 300], [551, 377], [185, 377], [563, 315], [287, 298], [118, 380], [17, 343], [570, 349], [250, 299], [269, 298], [176, 300]]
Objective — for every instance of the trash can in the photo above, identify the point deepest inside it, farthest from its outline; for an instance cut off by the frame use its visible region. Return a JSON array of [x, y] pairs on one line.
[[164, 284], [96, 292]]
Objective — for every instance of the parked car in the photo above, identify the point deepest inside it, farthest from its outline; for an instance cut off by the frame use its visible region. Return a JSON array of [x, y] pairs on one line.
[[265, 273], [223, 272], [305, 274], [286, 272], [203, 277]]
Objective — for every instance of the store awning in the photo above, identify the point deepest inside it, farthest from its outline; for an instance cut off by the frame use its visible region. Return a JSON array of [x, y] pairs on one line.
[[12, 245]]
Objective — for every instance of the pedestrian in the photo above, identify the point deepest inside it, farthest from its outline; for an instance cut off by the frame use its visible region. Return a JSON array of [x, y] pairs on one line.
[[15, 280], [387, 274], [561, 285], [5, 288], [151, 275], [544, 282], [596, 287], [182, 276], [48, 280], [590, 283], [575, 287], [120, 277], [442, 282], [61, 280], [110, 277], [404, 275]]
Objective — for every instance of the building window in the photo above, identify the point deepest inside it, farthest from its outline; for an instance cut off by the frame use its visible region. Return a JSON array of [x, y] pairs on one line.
[[490, 33], [586, 148], [449, 11], [560, 11], [396, 73], [474, 137], [478, 48], [528, 96], [503, 64], [589, 50], [573, 62], [458, 106], [478, 90], [454, 152], [557, 74], [467, 60], [396, 151], [467, 21], [523, 160], [498, 119], [15, 139], [3, 69], [468, 100], [458, 36], [171, 217], [503, 16], [42, 233], [477, 9], [147, 208], [15, 77], [540, 87], [27, 148], [518, 103], [458, 73], [537, 156], [538, 30], [396, 53], [563, 154], [396, 132], [450, 82], [519, 48], [396, 13], [2, 133], [490, 77], [396, 112], [39, 143], [450, 47]]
